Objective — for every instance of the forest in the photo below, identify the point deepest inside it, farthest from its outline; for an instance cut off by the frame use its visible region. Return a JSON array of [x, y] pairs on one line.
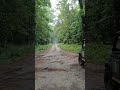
[[96, 21], [67, 28], [28, 22], [17, 28], [101, 19], [17, 22], [69, 24], [101, 24], [43, 17]]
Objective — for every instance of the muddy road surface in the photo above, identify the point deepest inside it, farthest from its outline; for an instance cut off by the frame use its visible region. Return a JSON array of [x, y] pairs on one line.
[[58, 70]]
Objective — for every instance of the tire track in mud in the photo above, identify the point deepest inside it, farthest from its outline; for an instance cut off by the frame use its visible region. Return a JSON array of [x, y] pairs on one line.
[[58, 70]]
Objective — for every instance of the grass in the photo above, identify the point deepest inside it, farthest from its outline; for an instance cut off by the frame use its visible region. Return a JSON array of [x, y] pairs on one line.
[[75, 48], [96, 53], [42, 48], [11, 52]]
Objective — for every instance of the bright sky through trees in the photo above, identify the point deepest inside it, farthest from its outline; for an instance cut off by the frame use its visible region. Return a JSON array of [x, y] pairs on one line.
[[56, 11], [54, 6]]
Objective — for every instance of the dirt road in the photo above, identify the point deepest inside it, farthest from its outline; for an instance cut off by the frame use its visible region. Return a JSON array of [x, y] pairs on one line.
[[58, 70], [18, 75]]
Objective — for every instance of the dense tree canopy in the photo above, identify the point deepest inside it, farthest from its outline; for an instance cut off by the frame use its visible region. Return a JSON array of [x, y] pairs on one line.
[[16, 21], [101, 20], [18, 18], [43, 19], [69, 25]]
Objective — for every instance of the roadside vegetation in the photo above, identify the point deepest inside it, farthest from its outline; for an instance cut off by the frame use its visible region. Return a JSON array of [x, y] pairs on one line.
[[75, 48], [43, 18], [17, 29], [100, 30], [11, 53], [42, 48], [43, 28], [97, 53], [68, 28], [69, 24]]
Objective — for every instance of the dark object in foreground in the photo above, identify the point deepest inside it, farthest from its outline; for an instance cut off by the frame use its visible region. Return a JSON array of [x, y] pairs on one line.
[[82, 54], [81, 61], [112, 66]]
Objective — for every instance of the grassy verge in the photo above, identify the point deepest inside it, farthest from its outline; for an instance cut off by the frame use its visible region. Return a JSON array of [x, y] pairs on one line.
[[42, 48], [11, 52], [96, 53], [75, 48]]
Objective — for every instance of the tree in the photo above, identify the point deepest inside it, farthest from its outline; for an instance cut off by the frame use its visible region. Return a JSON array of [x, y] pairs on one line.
[[17, 22], [43, 19], [69, 27], [101, 21]]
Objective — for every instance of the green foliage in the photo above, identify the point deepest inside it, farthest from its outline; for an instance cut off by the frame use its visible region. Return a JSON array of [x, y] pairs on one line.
[[69, 26], [16, 21], [100, 21], [41, 48], [12, 52], [75, 48], [96, 53], [43, 17], [17, 29]]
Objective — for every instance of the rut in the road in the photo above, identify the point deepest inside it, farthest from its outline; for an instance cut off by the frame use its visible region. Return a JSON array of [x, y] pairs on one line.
[[58, 70]]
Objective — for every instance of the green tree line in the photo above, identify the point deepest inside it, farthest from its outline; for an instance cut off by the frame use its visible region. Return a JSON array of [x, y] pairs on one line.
[[101, 24], [43, 17], [16, 22], [69, 23], [101, 20]]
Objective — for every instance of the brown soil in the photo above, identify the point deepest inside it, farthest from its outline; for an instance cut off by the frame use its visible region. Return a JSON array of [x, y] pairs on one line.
[[17, 75], [94, 77], [60, 69], [55, 69]]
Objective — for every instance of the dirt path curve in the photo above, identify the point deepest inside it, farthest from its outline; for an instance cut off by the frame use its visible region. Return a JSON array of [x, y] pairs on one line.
[[57, 70]]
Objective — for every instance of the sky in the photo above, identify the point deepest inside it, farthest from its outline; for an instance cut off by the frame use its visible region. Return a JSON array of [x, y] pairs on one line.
[[56, 11], [54, 6]]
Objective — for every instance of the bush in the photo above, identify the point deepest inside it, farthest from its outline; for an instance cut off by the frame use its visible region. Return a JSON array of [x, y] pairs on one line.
[[70, 47], [96, 53], [12, 52], [41, 48]]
